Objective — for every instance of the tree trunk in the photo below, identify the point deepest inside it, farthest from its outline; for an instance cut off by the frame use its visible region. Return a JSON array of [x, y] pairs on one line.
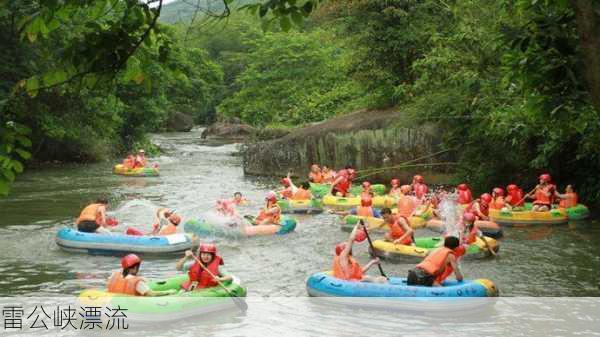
[[587, 14]]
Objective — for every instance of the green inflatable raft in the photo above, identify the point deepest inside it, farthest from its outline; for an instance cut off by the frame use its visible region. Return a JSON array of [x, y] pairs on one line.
[[170, 308], [321, 190], [577, 212], [310, 206]]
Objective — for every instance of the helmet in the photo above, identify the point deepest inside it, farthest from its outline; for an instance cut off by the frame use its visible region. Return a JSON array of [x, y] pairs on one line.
[[285, 182], [512, 187], [360, 235], [545, 177], [366, 184], [207, 248], [463, 187], [366, 202], [469, 217], [498, 191], [174, 218], [339, 248], [271, 196], [395, 182], [486, 197], [418, 178], [405, 188], [141, 151], [130, 260]]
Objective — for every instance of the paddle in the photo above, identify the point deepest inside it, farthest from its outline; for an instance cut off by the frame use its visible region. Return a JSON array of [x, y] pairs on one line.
[[526, 195], [362, 223], [241, 304]]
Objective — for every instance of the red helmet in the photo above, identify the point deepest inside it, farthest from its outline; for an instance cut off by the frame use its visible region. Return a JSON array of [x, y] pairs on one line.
[[207, 248], [499, 192], [360, 235], [395, 182], [174, 218], [366, 184], [469, 217], [339, 248], [130, 260], [285, 182], [486, 197], [366, 202], [418, 178], [463, 187], [272, 196], [545, 177], [512, 187]]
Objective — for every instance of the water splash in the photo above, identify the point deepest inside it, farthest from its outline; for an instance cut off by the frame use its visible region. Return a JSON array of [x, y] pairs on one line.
[[450, 212]]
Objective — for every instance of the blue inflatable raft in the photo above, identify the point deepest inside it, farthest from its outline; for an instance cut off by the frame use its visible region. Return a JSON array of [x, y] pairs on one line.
[[73, 240]]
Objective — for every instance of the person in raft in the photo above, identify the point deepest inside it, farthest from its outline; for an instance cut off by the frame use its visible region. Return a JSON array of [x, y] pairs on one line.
[[543, 194], [481, 207], [165, 222], [568, 199], [470, 230], [239, 200], [140, 159], [419, 187], [127, 282], [498, 201], [345, 267], [327, 174], [437, 265], [93, 218], [343, 182], [400, 232], [315, 175], [465, 196], [303, 192], [515, 196], [395, 189], [199, 278], [271, 213], [289, 189], [129, 162]]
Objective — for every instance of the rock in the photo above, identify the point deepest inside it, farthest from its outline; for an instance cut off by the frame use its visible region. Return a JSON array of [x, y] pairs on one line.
[[180, 122], [225, 130], [365, 139]]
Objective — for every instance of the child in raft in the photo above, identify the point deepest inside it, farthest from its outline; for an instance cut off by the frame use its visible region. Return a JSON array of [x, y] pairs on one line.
[[140, 159], [543, 194], [93, 218], [315, 175], [481, 207], [437, 265], [328, 175], [239, 200], [400, 232], [271, 213], [568, 199], [345, 267], [198, 277], [419, 187], [127, 282], [303, 192], [498, 201], [289, 189], [395, 189]]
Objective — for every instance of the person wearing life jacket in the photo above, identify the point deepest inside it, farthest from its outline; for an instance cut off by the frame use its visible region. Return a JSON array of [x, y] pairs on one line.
[[543, 194], [498, 201], [470, 230], [165, 222], [407, 204], [238, 199], [568, 199], [315, 175], [465, 196], [198, 277], [129, 283], [128, 162], [303, 192], [140, 159], [288, 188], [419, 186], [481, 207], [400, 232], [366, 190], [366, 208], [395, 189], [327, 174], [93, 218], [171, 227], [515, 196], [343, 182], [345, 267], [437, 265], [271, 213]]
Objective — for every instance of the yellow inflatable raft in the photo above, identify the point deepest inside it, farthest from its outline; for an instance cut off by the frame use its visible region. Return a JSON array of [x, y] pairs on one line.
[[349, 202], [423, 245], [349, 221], [528, 217], [137, 172]]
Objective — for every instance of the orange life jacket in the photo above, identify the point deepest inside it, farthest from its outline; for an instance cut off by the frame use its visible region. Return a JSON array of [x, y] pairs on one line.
[[569, 201], [406, 205], [541, 197], [301, 194], [168, 229], [344, 185], [396, 232], [316, 178], [435, 263], [364, 211], [354, 272], [515, 198], [123, 285], [420, 190], [90, 213], [197, 274], [497, 203], [128, 162], [271, 212]]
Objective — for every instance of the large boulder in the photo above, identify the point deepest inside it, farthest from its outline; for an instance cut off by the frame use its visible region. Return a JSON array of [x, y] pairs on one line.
[[228, 130], [180, 122]]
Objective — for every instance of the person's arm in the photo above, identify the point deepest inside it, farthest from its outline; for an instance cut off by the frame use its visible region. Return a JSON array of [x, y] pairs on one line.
[[143, 289], [454, 264], [183, 260], [408, 231], [344, 254], [335, 182], [102, 211], [370, 264]]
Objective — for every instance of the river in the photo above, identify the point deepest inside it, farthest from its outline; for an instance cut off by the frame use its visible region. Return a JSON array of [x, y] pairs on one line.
[[533, 261]]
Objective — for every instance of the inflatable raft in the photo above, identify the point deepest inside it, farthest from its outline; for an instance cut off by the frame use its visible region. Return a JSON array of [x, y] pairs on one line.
[[388, 250], [578, 212], [528, 217], [73, 240], [203, 228], [300, 206], [349, 221], [171, 308], [488, 228], [137, 172], [349, 202], [323, 284], [321, 190]]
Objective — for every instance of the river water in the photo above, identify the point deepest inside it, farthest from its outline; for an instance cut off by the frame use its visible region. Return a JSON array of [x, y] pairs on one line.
[[533, 261]]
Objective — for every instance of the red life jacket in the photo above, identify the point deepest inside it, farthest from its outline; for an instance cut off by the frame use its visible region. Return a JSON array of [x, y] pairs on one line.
[[344, 185], [515, 197], [540, 195], [198, 274], [396, 232], [364, 211]]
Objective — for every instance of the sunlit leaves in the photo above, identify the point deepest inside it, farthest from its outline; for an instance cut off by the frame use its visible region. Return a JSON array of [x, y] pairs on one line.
[[14, 148], [285, 12]]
